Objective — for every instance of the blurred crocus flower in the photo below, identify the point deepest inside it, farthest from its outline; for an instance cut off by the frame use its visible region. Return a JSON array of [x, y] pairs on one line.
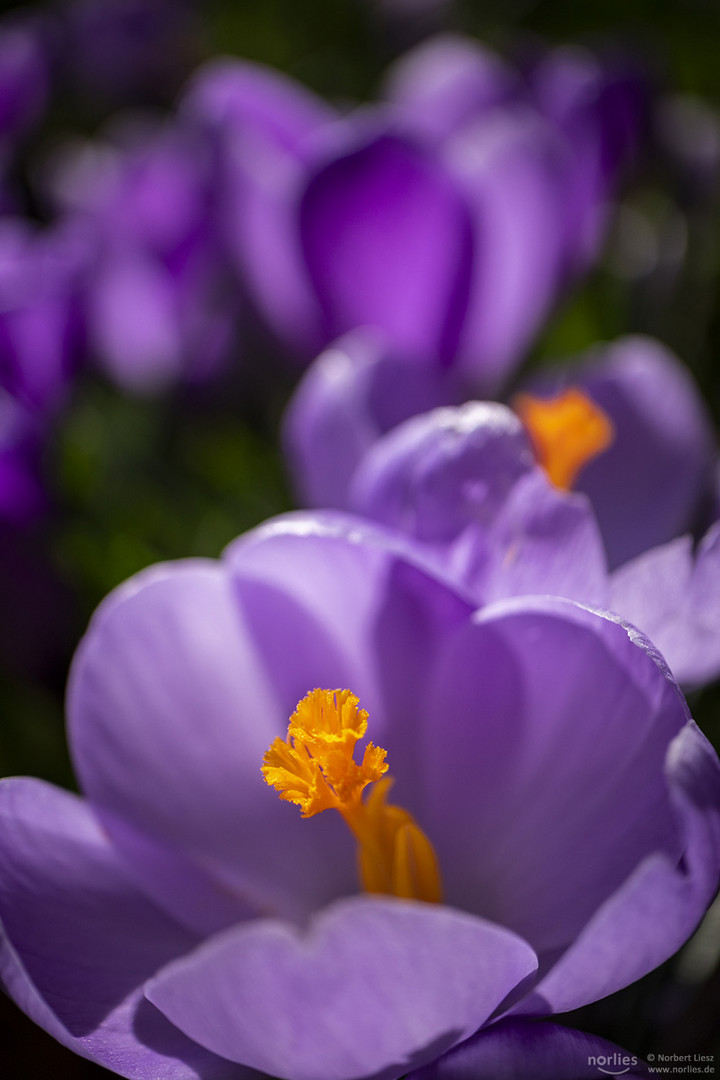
[[158, 305], [183, 920], [599, 104], [42, 273], [511, 507], [652, 482], [438, 216], [623, 436]]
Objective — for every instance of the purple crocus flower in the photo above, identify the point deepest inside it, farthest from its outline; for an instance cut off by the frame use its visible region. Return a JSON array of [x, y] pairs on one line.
[[437, 217], [182, 920], [157, 304], [653, 483], [632, 517]]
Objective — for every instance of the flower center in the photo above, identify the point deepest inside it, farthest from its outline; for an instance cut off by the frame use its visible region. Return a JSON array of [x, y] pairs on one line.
[[567, 431], [314, 767]]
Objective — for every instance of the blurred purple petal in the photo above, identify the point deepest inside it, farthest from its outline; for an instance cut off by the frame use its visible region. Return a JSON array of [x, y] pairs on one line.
[[159, 303], [372, 988], [651, 484], [446, 82], [598, 103], [463, 482], [266, 126], [387, 241], [509, 168], [134, 323], [41, 331], [438, 472], [254, 102], [543, 542], [354, 392]]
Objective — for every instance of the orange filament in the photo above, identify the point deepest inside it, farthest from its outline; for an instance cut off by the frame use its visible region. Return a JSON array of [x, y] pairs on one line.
[[314, 768], [567, 431]]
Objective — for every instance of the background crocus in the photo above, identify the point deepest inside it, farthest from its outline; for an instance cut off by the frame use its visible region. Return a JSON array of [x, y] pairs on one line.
[[654, 482], [158, 304], [464, 483], [450, 478], [437, 216], [42, 277], [181, 919]]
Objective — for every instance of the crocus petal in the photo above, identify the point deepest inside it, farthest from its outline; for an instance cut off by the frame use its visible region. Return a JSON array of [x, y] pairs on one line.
[[268, 127], [646, 488], [372, 988], [516, 1049], [447, 82], [387, 241], [171, 709], [437, 472], [463, 481], [598, 104], [541, 687], [134, 322], [660, 904], [259, 209], [40, 326], [351, 394], [508, 166], [543, 542], [78, 940], [673, 594], [238, 95]]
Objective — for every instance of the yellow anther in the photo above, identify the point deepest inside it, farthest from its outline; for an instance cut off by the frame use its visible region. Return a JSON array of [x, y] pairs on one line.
[[314, 768], [567, 431]]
